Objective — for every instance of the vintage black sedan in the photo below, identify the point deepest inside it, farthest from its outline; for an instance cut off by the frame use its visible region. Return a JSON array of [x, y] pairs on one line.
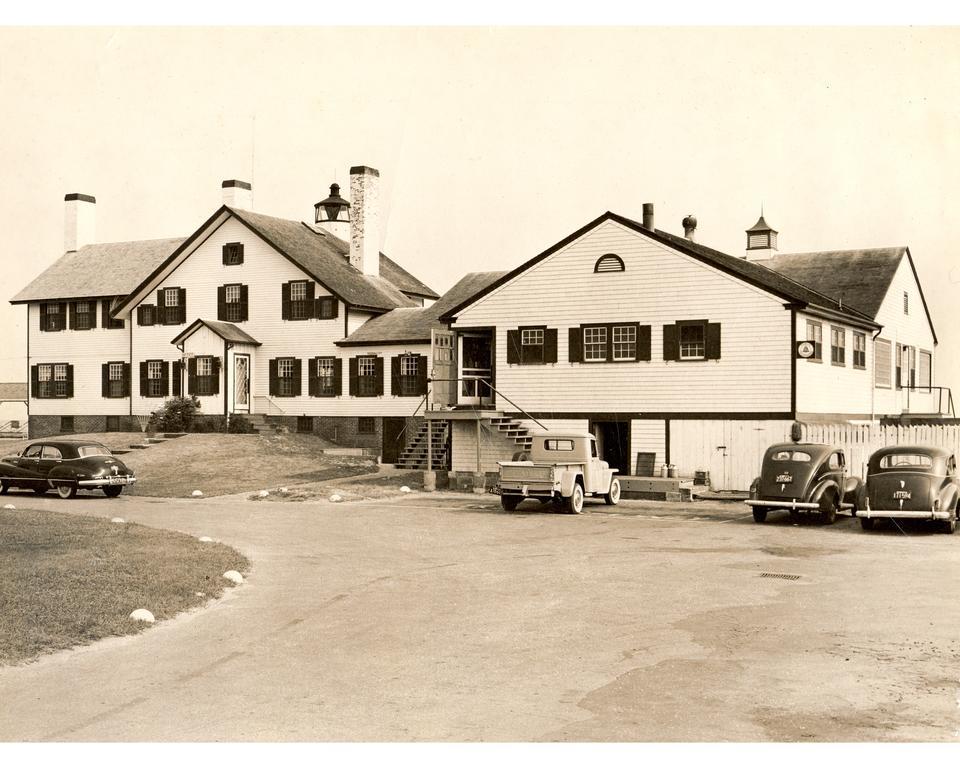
[[910, 481], [66, 466], [809, 478]]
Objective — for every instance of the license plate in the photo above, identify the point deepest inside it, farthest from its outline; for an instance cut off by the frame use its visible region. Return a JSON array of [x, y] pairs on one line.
[[784, 478], [902, 495]]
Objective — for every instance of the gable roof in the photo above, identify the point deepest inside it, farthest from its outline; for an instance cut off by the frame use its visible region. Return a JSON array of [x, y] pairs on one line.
[[226, 331], [414, 325], [13, 391], [103, 269], [859, 278], [750, 272]]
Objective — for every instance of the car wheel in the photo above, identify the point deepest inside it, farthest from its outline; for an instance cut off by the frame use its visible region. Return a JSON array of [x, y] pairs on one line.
[[949, 526], [508, 502], [867, 523], [112, 491], [66, 490], [3, 487], [574, 502], [828, 509], [612, 497], [759, 515]]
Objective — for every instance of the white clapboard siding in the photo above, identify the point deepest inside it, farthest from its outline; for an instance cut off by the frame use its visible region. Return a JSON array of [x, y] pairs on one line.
[[87, 351], [823, 387], [647, 436], [660, 286], [203, 341]]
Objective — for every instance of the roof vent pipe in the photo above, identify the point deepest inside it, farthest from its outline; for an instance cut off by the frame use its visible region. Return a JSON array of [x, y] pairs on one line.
[[690, 227], [648, 215]]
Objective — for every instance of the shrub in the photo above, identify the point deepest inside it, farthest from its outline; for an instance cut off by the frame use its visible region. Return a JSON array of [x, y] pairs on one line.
[[241, 425], [177, 414]]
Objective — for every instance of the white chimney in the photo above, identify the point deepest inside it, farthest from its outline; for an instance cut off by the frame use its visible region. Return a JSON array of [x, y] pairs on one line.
[[365, 219], [79, 221], [237, 194]]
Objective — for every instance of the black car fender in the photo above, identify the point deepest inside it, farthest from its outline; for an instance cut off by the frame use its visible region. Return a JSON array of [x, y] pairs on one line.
[[821, 489], [62, 472], [948, 496]]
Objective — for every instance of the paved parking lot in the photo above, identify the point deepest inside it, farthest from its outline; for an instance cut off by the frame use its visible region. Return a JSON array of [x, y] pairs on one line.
[[442, 618]]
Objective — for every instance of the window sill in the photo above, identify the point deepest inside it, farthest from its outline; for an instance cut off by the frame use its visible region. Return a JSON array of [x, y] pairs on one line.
[[818, 361], [838, 365]]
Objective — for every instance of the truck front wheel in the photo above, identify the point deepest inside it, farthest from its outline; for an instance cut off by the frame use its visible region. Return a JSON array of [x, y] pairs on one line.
[[574, 502], [612, 496], [509, 502]]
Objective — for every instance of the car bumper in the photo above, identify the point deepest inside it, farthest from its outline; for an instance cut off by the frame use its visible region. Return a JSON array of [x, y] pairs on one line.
[[526, 489], [805, 505], [100, 482], [908, 514]]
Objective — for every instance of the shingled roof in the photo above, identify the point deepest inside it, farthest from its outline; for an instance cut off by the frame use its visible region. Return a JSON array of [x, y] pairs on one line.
[[104, 269], [414, 325], [226, 331], [750, 272]]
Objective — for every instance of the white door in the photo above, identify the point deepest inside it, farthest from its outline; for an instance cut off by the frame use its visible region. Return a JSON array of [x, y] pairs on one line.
[[241, 383]]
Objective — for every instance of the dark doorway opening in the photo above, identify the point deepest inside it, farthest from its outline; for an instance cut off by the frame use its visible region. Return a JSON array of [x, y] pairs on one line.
[[613, 443], [394, 439]]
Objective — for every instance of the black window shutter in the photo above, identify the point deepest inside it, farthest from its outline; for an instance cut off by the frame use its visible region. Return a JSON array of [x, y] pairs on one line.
[[671, 345], [73, 315], [143, 378], [285, 301], [334, 307], [191, 376], [126, 379], [139, 315], [34, 380], [713, 341], [69, 381], [378, 373], [513, 346], [273, 375], [244, 303], [161, 315], [222, 303], [297, 377], [643, 342], [165, 378], [216, 376], [338, 376], [422, 375], [223, 253], [43, 317], [92, 306], [550, 345], [310, 296], [313, 382], [176, 386], [352, 384], [183, 304], [105, 380], [575, 346], [104, 313], [395, 375]]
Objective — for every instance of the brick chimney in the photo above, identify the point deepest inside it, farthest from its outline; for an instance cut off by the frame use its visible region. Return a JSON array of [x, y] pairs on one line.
[[237, 194], [79, 221], [365, 219], [648, 215]]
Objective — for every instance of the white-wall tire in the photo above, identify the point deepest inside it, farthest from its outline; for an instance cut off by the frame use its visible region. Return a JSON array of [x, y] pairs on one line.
[[612, 497], [574, 502]]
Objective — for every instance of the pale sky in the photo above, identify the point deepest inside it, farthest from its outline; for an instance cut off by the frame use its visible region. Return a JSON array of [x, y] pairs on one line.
[[493, 143]]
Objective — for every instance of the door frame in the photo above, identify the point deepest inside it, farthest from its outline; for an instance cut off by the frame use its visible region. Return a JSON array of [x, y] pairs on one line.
[[233, 394], [627, 457], [400, 440]]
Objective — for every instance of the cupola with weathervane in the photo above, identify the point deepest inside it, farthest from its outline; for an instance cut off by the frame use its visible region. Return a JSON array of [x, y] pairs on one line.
[[333, 214], [761, 240]]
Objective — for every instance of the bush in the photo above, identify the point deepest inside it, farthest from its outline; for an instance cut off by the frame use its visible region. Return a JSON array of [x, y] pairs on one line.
[[241, 425], [177, 414]]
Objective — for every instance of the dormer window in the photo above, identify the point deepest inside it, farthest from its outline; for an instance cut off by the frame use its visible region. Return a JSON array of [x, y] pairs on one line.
[[609, 262], [83, 316]]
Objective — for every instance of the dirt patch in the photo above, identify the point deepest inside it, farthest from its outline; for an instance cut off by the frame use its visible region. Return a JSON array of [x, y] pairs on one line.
[[800, 552], [384, 484]]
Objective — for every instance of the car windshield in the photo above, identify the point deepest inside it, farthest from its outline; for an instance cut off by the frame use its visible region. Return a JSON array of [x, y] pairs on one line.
[[901, 460], [92, 450], [791, 456]]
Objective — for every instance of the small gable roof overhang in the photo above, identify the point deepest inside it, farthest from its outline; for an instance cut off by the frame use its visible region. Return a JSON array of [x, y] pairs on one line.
[[793, 293], [226, 331]]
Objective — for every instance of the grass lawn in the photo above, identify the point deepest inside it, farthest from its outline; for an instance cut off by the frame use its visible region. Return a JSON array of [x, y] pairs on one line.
[[67, 580], [220, 464]]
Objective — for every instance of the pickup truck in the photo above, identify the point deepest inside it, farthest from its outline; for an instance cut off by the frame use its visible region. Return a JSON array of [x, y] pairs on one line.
[[563, 467]]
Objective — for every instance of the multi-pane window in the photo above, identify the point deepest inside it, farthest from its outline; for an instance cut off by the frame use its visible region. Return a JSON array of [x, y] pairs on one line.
[[82, 315], [594, 344], [299, 308], [173, 310], [624, 342], [531, 344], [60, 380], [815, 337], [234, 308], [409, 372], [326, 382], [233, 254], [205, 385], [155, 378], [146, 314], [116, 386], [693, 345], [285, 377], [366, 425], [53, 316], [327, 308], [859, 350], [45, 381], [838, 345], [367, 376]]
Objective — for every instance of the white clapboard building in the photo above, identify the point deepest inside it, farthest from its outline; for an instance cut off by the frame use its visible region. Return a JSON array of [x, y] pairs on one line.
[[675, 353], [247, 314]]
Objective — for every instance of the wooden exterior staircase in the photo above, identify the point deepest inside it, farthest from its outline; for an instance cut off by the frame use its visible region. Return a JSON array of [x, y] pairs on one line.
[[414, 454], [514, 430]]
